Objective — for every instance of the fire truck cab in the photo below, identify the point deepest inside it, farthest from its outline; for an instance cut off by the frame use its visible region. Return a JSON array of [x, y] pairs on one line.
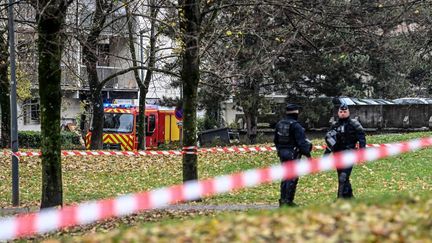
[[120, 130]]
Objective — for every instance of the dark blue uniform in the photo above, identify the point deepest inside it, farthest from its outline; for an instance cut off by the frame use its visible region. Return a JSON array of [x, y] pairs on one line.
[[291, 143], [347, 133]]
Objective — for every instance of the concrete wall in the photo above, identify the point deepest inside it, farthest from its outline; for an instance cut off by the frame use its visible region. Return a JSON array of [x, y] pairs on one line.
[[69, 111], [392, 116], [161, 86], [229, 113], [21, 125], [376, 117], [119, 48]]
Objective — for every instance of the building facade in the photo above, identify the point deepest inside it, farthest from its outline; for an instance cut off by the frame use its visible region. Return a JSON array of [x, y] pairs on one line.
[[113, 56]]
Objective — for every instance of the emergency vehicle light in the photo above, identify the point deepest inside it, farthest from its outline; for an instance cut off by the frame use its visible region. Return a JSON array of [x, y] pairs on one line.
[[109, 105]]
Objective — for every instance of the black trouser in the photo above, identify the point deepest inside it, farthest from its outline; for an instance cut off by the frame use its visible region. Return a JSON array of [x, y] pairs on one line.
[[344, 184], [287, 187]]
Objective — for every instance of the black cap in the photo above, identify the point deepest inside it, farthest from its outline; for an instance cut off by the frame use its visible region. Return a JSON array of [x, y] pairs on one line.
[[343, 107], [292, 107]]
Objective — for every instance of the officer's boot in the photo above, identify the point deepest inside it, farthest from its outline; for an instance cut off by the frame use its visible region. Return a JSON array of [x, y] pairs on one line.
[[344, 187], [290, 193], [348, 193], [341, 184]]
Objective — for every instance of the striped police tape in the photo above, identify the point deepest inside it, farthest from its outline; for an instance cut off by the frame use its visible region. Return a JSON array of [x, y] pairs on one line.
[[190, 150], [84, 213], [186, 150], [99, 153]]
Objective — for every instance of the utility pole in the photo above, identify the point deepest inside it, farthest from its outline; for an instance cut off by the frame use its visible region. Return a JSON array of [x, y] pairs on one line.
[[14, 122]]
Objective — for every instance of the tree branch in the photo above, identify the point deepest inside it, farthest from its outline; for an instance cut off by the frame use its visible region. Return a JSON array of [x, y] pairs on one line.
[[106, 80]]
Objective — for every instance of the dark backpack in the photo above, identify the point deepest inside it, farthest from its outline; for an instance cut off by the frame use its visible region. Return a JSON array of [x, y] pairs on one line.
[[283, 131]]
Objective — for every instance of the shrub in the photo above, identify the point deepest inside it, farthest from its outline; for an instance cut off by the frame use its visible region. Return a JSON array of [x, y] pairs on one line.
[[33, 139], [29, 139]]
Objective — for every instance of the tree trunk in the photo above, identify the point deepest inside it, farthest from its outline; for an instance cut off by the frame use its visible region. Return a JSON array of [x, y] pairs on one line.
[[190, 75], [4, 93], [51, 18], [212, 117], [151, 63], [97, 123], [142, 89], [90, 61], [143, 86], [251, 125], [250, 100], [141, 117]]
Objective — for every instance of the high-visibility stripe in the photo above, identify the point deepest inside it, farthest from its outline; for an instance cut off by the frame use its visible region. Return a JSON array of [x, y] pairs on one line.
[[114, 138], [123, 143], [126, 141], [117, 110], [130, 141], [87, 140], [107, 138], [120, 139]]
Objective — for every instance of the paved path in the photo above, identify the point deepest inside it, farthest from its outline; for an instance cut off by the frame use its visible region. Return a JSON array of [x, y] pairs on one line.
[[179, 207], [13, 211], [223, 207]]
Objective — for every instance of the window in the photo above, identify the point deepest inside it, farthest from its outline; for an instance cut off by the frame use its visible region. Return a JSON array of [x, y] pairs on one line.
[[150, 124], [103, 54], [31, 112], [118, 123]]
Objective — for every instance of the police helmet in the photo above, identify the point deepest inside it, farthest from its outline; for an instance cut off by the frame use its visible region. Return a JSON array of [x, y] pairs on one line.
[[343, 107], [292, 107]]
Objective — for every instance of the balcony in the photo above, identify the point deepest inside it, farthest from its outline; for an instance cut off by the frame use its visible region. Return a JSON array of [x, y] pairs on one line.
[[77, 79]]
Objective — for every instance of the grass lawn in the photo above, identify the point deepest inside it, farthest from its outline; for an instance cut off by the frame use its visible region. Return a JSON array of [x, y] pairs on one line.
[[89, 178]]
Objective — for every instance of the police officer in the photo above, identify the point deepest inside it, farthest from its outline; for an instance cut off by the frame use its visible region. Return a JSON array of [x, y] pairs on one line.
[[291, 143], [344, 135]]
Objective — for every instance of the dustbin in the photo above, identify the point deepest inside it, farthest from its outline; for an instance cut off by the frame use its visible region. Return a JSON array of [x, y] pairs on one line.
[[219, 136]]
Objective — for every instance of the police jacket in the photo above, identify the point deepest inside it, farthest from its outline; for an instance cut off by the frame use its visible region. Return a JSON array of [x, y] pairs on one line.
[[348, 133], [289, 134]]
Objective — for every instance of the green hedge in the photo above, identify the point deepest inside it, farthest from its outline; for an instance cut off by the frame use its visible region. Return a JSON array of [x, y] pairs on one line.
[[33, 139]]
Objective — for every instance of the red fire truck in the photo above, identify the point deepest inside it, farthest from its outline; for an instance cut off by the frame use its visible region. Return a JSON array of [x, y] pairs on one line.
[[120, 127]]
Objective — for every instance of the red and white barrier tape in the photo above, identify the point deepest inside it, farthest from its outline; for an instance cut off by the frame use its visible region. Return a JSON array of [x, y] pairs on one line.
[[187, 150], [52, 219], [236, 149], [190, 150], [99, 153]]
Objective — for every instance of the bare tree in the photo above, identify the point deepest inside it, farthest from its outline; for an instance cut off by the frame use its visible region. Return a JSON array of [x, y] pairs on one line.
[[143, 84], [306, 50], [101, 11], [102, 18]]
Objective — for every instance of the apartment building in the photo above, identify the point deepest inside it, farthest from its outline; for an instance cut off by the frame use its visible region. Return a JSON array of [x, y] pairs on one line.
[[113, 56]]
